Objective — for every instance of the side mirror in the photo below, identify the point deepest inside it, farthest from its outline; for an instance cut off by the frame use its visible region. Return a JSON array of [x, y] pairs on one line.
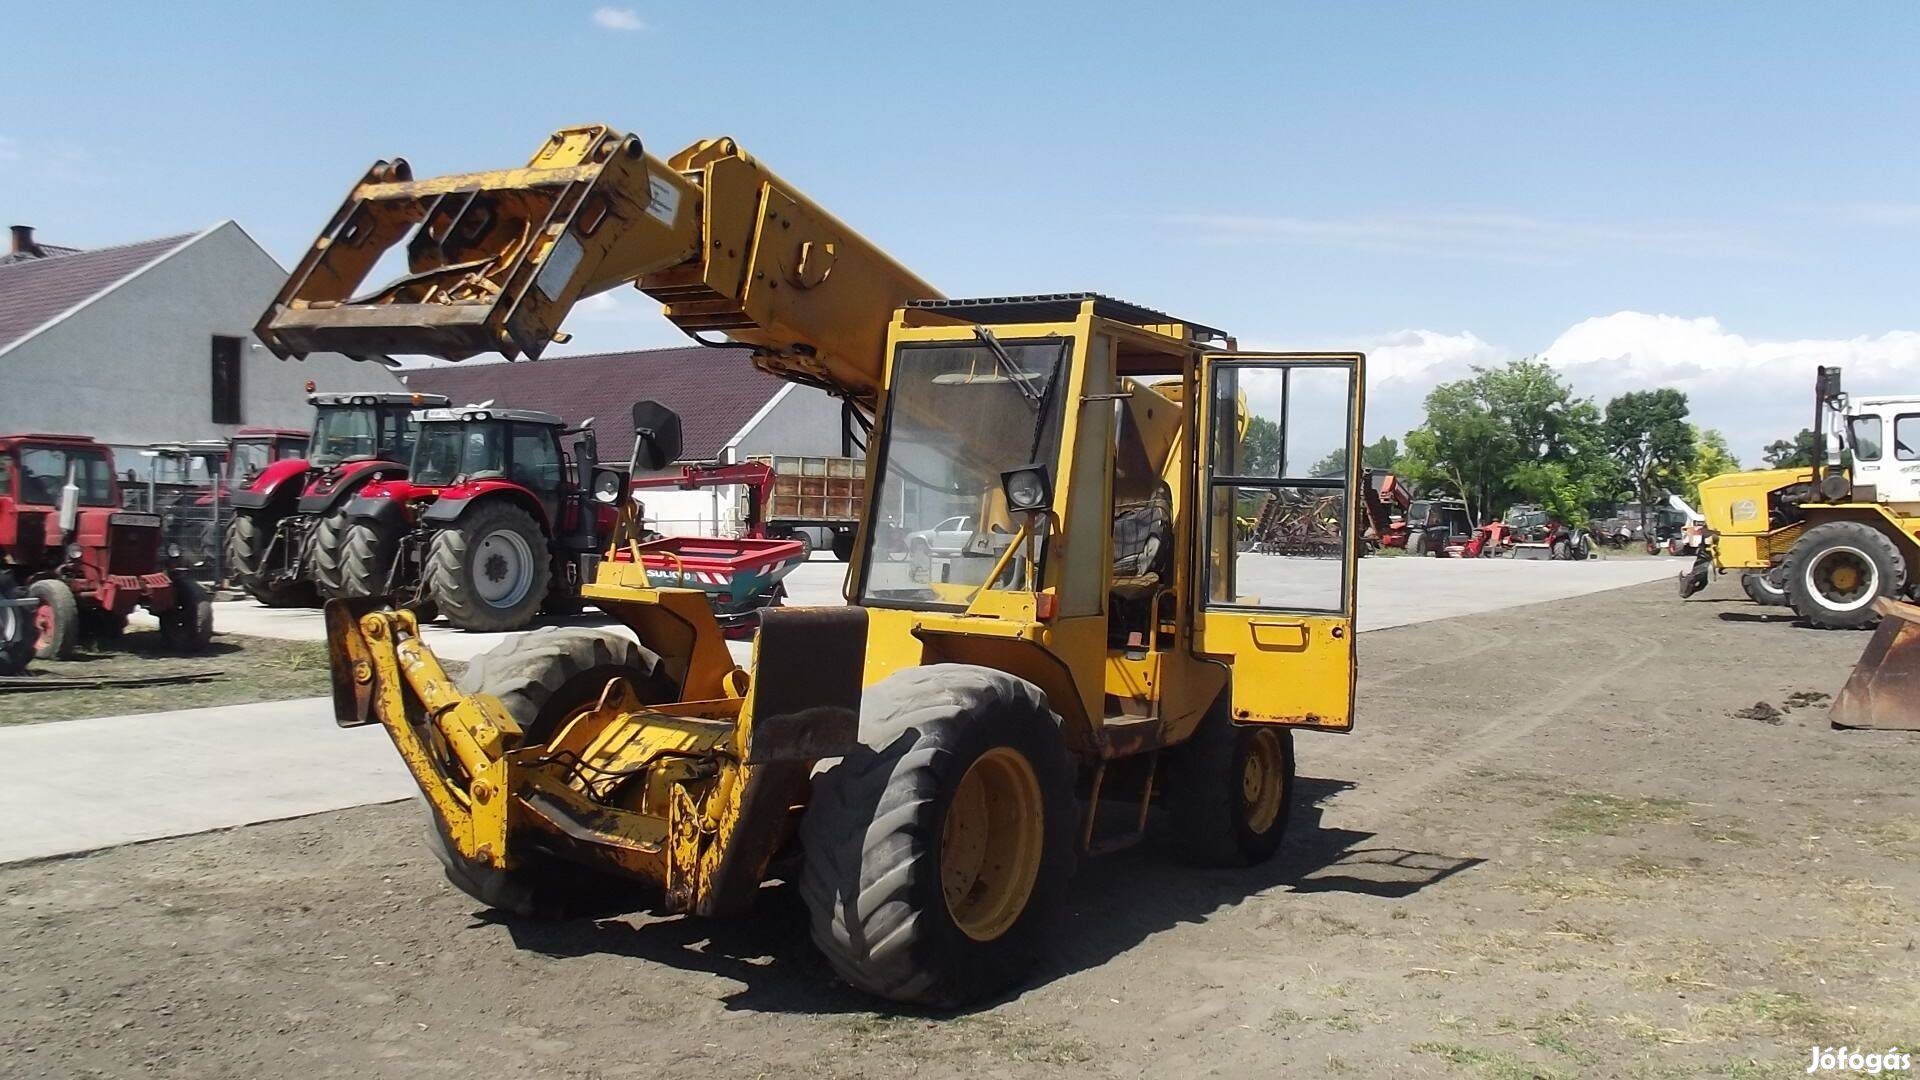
[[656, 437]]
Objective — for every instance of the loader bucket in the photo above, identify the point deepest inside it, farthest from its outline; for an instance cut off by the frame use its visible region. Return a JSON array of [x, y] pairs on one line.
[[494, 260], [1883, 692]]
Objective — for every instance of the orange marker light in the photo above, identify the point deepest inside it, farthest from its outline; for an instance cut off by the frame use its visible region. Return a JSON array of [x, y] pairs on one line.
[[1045, 605]]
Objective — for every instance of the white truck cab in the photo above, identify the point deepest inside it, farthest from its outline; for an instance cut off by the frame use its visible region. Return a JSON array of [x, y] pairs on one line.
[[1884, 435]]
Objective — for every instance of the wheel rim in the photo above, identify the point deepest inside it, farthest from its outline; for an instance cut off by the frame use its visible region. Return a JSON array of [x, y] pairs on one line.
[[44, 625], [1844, 578], [502, 568], [1263, 780], [9, 625], [990, 844]]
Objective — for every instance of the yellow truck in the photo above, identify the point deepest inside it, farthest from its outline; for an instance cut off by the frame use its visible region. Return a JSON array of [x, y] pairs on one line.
[[930, 761]]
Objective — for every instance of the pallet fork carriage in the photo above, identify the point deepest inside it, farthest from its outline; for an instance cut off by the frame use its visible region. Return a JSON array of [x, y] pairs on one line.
[[930, 761]]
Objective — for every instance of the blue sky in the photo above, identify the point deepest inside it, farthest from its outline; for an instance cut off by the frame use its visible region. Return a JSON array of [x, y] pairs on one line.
[[1712, 197]]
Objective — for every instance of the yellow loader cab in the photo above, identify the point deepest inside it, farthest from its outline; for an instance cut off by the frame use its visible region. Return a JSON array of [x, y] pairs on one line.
[[1109, 629], [1832, 539]]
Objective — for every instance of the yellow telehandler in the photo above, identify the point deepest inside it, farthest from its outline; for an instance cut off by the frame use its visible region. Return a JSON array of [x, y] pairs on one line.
[[1055, 601]]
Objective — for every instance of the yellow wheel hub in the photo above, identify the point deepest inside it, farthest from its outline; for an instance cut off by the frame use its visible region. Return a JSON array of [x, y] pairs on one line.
[[1845, 577], [990, 844], [1263, 780]]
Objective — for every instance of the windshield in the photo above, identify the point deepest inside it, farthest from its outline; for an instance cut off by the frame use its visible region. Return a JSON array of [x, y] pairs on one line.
[[43, 472], [446, 452], [345, 432], [957, 417], [249, 458]]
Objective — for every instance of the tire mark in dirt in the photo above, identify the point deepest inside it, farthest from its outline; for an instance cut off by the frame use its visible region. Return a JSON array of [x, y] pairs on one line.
[[1487, 740], [1484, 643]]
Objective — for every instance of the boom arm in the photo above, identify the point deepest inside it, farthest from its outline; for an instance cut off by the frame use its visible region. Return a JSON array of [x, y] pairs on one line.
[[495, 260]]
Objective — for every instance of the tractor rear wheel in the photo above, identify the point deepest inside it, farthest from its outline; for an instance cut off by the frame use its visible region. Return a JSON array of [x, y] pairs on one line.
[[843, 546], [1835, 572], [1765, 587], [544, 679], [366, 557], [1229, 790], [187, 626], [937, 855], [247, 539], [490, 570], [56, 621], [16, 630], [326, 555]]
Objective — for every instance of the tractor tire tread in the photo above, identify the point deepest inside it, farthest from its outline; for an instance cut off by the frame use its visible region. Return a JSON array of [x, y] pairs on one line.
[[245, 544], [57, 596], [445, 578], [1858, 534], [870, 835]]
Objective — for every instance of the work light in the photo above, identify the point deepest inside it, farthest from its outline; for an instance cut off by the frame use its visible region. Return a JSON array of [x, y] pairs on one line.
[[1027, 488]]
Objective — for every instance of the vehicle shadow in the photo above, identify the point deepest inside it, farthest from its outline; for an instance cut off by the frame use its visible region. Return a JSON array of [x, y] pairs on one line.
[[1759, 617], [1116, 902]]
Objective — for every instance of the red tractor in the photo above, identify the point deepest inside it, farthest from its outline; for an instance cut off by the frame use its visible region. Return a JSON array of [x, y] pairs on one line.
[[492, 524], [88, 562], [294, 509]]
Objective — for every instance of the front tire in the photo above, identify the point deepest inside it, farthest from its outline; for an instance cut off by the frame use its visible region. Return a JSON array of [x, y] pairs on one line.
[[1762, 589], [490, 571], [187, 626], [937, 856], [246, 549], [57, 621], [326, 555], [1836, 571], [1229, 791], [16, 630]]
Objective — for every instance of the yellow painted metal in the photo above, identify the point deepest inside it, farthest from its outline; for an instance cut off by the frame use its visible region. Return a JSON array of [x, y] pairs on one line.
[[991, 840], [1738, 508]]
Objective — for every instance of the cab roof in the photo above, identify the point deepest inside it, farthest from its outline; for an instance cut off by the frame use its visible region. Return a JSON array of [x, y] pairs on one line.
[[386, 398], [43, 437], [477, 413]]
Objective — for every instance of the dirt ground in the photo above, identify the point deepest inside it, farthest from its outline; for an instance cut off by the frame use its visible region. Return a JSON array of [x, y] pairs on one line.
[[1566, 841]]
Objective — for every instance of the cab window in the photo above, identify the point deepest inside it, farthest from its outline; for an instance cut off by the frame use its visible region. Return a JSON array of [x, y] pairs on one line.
[[536, 460], [1906, 438], [6, 476], [1866, 437]]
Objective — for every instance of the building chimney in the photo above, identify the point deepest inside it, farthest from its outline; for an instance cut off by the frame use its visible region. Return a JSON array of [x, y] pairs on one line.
[[23, 242]]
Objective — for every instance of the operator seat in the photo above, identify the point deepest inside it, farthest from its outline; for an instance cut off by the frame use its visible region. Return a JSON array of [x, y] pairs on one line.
[[1142, 562]]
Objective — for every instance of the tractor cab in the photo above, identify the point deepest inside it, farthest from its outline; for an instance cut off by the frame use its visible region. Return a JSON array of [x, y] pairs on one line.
[[362, 427], [251, 450], [1883, 434], [462, 446]]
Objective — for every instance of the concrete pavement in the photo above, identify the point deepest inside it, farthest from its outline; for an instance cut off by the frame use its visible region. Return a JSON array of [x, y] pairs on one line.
[[79, 785]]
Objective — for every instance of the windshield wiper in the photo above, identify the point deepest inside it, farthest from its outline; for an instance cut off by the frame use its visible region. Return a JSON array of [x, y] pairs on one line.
[[1009, 369]]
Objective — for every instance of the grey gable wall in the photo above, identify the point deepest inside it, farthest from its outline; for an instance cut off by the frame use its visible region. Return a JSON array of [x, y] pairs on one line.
[[134, 366]]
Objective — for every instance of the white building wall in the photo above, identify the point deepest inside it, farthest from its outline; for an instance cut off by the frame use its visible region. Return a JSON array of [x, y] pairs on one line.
[[135, 366]]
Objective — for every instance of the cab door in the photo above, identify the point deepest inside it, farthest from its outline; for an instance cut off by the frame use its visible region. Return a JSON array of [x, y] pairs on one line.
[[1279, 517]]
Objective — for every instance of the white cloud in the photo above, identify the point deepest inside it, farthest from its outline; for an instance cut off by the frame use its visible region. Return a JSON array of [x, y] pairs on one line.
[[613, 18], [1516, 238], [1753, 390]]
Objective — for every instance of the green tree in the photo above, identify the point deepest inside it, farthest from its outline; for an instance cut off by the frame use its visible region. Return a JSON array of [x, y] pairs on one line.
[[1379, 454], [1795, 453], [1509, 433], [1711, 457], [1260, 447], [1648, 434]]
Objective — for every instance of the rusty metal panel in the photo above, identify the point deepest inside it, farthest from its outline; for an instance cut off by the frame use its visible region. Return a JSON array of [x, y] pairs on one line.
[[1884, 689]]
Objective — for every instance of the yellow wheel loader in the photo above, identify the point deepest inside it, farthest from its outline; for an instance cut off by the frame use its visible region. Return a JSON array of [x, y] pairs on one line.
[[1832, 539], [929, 762]]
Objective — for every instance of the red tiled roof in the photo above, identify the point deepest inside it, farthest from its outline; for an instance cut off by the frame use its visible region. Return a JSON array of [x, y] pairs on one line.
[[34, 291], [715, 391]]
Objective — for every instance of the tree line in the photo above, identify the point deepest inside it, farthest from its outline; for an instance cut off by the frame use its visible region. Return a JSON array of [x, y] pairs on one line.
[[1518, 434]]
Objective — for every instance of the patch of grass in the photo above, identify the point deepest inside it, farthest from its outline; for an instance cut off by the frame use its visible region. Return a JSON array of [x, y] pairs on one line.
[[1495, 1064], [251, 669], [1897, 837], [1643, 869], [1781, 1014], [1608, 815], [1553, 886], [1026, 1041]]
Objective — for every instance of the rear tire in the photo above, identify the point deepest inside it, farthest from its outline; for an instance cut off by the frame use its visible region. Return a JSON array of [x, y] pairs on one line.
[[1761, 589], [1836, 570], [936, 856], [367, 554], [246, 547], [1229, 791], [16, 630], [56, 621], [326, 553], [489, 571], [187, 626], [843, 546], [543, 679]]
